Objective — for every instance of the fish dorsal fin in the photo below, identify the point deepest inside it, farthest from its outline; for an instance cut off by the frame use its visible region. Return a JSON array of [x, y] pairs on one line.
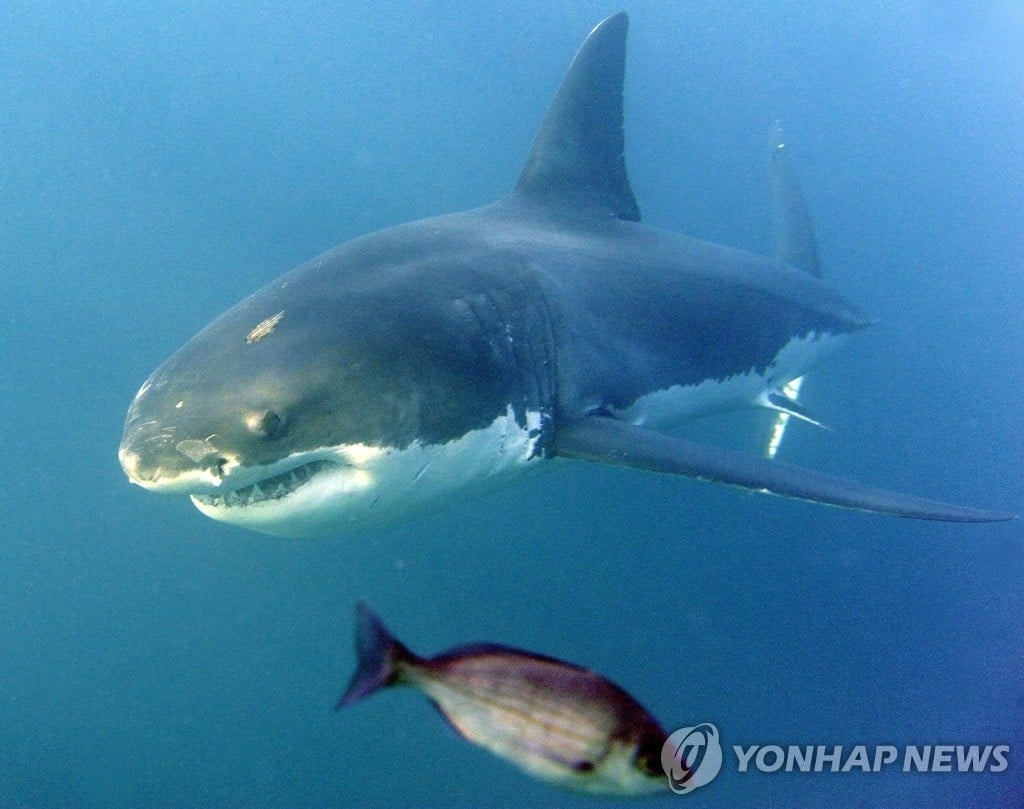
[[577, 156]]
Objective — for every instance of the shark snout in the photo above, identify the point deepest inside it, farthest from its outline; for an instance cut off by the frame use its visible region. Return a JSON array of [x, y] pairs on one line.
[[189, 466], [131, 463]]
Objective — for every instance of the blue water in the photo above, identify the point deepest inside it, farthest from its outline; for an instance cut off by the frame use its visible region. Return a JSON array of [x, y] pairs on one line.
[[161, 160]]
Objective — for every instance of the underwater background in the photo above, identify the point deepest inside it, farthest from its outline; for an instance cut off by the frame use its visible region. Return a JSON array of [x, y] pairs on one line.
[[162, 160]]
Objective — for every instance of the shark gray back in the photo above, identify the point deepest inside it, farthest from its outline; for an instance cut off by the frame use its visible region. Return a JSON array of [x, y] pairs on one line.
[[450, 355]]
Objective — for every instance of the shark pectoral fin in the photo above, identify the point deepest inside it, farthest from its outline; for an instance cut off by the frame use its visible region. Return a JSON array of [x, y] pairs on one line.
[[606, 440]]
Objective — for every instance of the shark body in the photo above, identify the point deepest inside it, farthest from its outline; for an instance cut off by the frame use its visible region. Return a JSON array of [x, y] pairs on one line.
[[453, 354]]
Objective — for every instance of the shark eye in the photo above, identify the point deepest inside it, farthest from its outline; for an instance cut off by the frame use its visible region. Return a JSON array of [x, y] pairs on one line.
[[265, 423]]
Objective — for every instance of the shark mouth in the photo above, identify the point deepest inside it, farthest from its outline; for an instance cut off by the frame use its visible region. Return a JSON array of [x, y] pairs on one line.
[[271, 488]]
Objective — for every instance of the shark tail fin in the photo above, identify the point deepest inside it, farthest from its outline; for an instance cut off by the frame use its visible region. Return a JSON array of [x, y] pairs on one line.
[[784, 400], [380, 658], [576, 159], [795, 244]]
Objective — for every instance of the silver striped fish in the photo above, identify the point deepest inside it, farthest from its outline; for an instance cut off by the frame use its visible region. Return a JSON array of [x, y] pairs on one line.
[[555, 720]]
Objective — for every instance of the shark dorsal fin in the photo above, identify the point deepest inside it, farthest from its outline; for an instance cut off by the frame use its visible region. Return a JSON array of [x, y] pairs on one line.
[[577, 156]]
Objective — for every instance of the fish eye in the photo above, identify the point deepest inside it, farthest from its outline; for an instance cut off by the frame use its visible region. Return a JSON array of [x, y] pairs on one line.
[[647, 758], [264, 423]]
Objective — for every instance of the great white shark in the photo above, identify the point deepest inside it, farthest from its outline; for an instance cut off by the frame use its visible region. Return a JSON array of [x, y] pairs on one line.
[[417, 364]]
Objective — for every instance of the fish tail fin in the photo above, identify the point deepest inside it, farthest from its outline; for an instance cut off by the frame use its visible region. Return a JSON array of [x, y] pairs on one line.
[[380, 658]]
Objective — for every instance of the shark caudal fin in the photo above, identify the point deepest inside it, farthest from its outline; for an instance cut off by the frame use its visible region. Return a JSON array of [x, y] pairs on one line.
[[379, 655], [577, 160], [795, 244]]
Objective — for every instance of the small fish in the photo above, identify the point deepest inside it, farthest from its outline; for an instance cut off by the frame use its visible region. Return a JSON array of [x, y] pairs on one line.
[[555, 720]]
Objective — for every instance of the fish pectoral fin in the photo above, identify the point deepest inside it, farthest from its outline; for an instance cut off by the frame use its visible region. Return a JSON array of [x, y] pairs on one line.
[[602, 439], [778, 401]]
